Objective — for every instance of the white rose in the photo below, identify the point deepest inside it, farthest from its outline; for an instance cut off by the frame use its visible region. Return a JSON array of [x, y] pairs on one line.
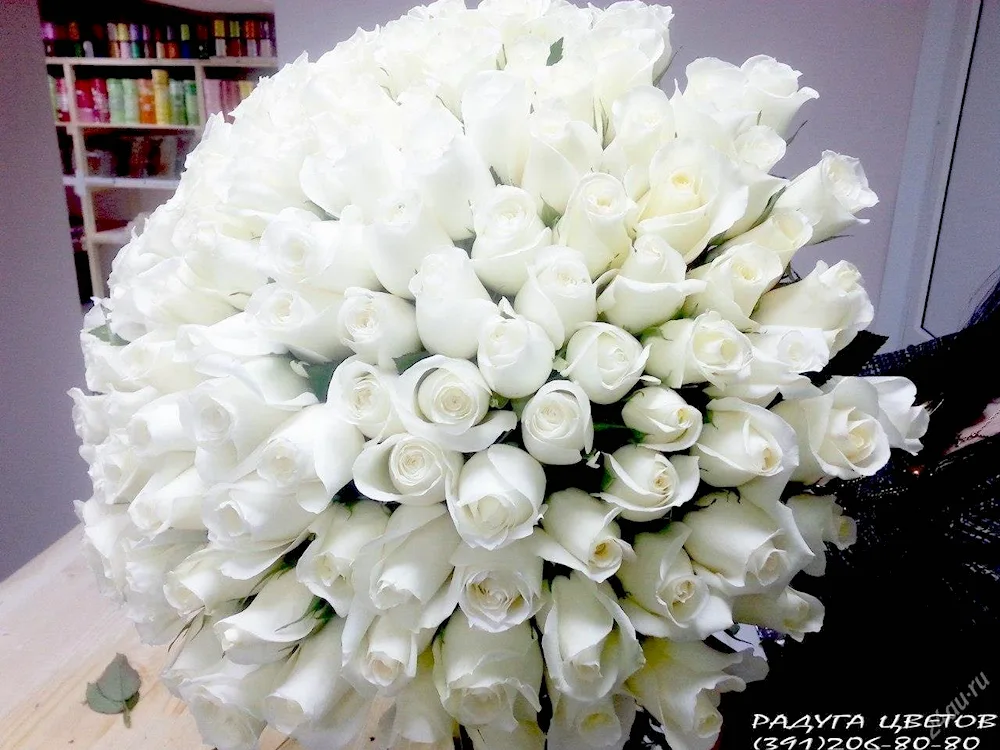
[[605, 361], [838, 431], [568, 85], [668, 422], [500, 493], [742, 544], [791, 612], [589, 644], [830, 194], [377, 326], [495, 109], [447, 402], [695, 194], [451, 303], [488, 679], [584, 527], [642, 121], [267, 630], [560, 152], [149, 360], [444, 163], [363, 394], [515, 354], [205, 580], [821, 521], [904, 423], [155, 428], [680, 686], [735, 280], [405, 573], [509, 234], [558, 294], [603, 725], [357, 171], [705, 349], [784, 231], [107, 531], [759, 147], [146, 566], [407, 469], [118, 473], [404, 232], [645, 484], [596, 221], [312, 683], [556, 424], [327, 565], [170, 502], [501, 588], [743, 441], [303, 319], [236, 336], [649, 288], [830, 298], [416, 717], [666, 597], [772, 89], [382, 656], [299, 249]]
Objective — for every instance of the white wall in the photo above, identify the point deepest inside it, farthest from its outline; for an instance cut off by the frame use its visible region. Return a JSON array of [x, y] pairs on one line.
[[861, 57], [40, 471]]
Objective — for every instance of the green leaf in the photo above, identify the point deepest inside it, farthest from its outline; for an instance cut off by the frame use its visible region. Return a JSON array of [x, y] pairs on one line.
[[549, 215], [105, 334], [120, 681], [101, 703], [406, 361], [320, 376], [555, 52], [466, 244], [496, 176]]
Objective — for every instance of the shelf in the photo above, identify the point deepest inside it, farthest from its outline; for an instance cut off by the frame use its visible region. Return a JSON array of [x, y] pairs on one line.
[[69, 180], [172, 62], [136, 183], [130, 126], [119, 236]]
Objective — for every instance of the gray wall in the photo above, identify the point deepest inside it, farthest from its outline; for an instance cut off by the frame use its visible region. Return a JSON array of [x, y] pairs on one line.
[[40, 471], [861, 57]]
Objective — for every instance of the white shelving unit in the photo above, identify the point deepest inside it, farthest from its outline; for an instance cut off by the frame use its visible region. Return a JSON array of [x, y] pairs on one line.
[[86, 185]]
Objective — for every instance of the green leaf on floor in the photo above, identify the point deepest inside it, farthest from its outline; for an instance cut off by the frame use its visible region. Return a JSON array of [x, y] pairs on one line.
[[116, 691]]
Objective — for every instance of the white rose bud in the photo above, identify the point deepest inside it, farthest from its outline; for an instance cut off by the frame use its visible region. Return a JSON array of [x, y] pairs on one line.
[[500, 493], [705, 349], [604, 724], [589, 644], [645, 484], [382, 658], [904, 423], [735, 281], [830, 298], [416, 717], [740, 543], [584, 526], [501, 588], [206, 580], [595, 222], [791, 612], [838, 431], [821, 521], [363, 394], [649, 288], [250, 512], [742, 442], [303, 319], [784, 231], [488, 679], [666, 597], [668, 422], [558, 294], [642, 121], [556, 424], [830, 194], [407, 469], [509, 234], [515, 355], [560, 152], [447, 402], [377, 326], [680, 686], [451, 303], [695, 194], [568, 85], [772, 89], [300, 249], [495, 109], [404, 232], [759, 147], [267, 630], [605, 361], [327, 565]]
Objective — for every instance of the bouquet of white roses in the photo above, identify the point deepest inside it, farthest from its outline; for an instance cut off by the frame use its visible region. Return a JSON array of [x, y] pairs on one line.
[[466, 368]]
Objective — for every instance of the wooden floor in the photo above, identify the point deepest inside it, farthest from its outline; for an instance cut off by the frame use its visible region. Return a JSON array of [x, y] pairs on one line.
[[57, 633]]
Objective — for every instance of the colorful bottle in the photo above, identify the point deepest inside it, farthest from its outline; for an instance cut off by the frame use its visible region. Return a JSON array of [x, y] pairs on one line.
[[130, 100], [178, 113], [147, 101], [99, 97], [191, 103], [116, 101], [186, 47], [219, 30], [161, 97]]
